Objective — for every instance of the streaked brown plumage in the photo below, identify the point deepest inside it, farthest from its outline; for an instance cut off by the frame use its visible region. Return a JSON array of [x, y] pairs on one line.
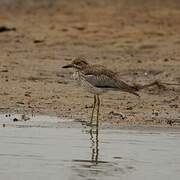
[[97, 80]]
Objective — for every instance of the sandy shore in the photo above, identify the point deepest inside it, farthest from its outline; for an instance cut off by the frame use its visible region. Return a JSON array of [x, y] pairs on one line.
[[138, 39]]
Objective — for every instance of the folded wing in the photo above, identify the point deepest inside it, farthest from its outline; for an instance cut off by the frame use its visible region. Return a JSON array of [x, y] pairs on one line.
[[103, 78]]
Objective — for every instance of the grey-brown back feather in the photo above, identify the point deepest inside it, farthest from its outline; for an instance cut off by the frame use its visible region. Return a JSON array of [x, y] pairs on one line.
[[99, 76]]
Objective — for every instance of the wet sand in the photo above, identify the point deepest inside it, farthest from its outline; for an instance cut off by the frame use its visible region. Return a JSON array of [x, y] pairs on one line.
[[138, 39], [47, 148]]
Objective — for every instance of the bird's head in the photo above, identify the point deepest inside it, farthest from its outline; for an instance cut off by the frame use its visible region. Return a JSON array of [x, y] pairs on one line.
[[78, 63]]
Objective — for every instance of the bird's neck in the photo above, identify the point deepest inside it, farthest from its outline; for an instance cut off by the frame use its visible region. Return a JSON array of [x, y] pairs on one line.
[[76, 75]]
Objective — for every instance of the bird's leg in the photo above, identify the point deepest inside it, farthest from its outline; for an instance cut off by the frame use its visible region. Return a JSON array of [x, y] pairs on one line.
[[98, 103], [94, 104]]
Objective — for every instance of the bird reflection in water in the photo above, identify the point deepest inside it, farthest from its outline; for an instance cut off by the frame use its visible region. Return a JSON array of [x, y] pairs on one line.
[[93, 168], [94, 137], [94, 156]]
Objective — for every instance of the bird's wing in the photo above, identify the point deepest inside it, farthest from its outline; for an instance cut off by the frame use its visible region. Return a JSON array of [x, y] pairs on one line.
[[102, 81], [100, 77], [126, 87]]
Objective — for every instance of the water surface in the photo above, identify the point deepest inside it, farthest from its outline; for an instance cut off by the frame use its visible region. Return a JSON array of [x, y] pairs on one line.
[[47, 148]]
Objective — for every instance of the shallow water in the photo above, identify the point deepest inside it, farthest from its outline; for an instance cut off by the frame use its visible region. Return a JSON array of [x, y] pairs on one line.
[[51, 148]]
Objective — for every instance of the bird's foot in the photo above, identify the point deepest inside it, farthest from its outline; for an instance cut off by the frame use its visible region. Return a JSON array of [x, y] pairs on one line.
[[90, 124]]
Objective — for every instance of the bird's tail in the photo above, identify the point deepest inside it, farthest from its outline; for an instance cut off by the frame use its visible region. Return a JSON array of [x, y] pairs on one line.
[[127, 88], [132, 90], [135, 93]]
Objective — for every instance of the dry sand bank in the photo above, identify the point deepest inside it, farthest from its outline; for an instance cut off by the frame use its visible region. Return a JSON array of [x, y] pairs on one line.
[[138, 39]]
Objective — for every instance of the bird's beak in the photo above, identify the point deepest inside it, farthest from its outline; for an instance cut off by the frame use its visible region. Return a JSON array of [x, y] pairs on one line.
[[67, 66]]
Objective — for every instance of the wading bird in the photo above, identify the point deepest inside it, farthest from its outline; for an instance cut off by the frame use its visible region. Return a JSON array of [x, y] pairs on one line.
[[97, 80]]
